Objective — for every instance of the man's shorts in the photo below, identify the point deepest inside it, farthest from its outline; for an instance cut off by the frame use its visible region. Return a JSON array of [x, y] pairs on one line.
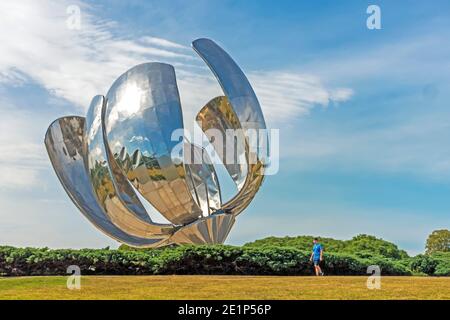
[[316, 262]]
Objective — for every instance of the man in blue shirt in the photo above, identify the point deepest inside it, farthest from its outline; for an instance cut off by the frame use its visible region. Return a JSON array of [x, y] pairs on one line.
[[317, 256]]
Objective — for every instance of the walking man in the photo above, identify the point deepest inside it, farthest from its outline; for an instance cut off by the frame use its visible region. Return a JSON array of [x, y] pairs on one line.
[[317, 256]]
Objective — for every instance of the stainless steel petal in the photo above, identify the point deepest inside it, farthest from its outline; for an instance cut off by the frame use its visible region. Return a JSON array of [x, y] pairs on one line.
[[143, 109], [219, 112], [64, 143], [239, 110], [219, 115], [209, 230], [202, 178], [112, 189], [233, 82]]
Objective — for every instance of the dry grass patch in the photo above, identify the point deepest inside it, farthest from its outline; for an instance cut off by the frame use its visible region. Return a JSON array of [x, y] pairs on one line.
[[224, 287]]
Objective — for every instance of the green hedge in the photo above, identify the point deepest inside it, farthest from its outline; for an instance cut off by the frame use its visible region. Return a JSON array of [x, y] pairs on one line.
[[218, 259]]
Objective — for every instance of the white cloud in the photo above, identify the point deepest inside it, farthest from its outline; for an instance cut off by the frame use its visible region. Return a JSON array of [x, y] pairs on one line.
[[163, 43], [284, 95], [72, 64]]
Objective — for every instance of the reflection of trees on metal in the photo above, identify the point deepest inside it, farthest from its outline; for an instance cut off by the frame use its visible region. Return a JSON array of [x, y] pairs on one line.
[[124, 144]]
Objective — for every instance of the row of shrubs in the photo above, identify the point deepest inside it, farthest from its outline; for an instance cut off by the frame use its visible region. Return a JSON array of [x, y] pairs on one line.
[[437, 264], [218, 259]]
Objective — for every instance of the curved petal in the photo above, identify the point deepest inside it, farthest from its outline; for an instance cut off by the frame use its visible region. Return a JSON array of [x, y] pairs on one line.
[[239, 110], [219, 109], [110, 186], [218, 114], [233, 82], [64, 143], [209, 230], [202, 178], [143, 110]]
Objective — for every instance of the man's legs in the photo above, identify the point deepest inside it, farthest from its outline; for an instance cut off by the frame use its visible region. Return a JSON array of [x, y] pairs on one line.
[[317, 268]]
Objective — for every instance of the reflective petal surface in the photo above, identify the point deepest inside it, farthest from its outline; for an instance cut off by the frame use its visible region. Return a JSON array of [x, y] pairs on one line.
[[218, 115], [121, 204], [143, 109], [233, 82], [64, 143], [240, 110], [209, 230], [202, 178]]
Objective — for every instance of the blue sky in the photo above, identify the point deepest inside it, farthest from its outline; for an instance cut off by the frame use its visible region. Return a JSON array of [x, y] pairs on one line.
[[364, 123]]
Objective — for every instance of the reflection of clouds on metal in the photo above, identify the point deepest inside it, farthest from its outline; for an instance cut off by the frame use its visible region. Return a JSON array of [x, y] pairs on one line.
[[125, 145]]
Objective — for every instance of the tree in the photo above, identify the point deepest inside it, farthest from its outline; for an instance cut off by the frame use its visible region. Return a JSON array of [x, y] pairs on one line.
[[438, 241]]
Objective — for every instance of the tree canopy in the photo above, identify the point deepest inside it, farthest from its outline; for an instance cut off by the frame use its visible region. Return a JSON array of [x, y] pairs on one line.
[[438, 241], [361, 245]]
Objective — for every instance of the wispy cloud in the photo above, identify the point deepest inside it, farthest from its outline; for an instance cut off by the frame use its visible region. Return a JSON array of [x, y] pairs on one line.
[[78, 64], [72, 64], [163, 43], [21, 157], [409, 58], [286, 95]]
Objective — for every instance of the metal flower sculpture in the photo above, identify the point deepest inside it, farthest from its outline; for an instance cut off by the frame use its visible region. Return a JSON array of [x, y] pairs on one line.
[[124, 145]]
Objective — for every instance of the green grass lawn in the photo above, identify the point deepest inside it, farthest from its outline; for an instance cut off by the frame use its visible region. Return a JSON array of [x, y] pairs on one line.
[[224, 287]]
